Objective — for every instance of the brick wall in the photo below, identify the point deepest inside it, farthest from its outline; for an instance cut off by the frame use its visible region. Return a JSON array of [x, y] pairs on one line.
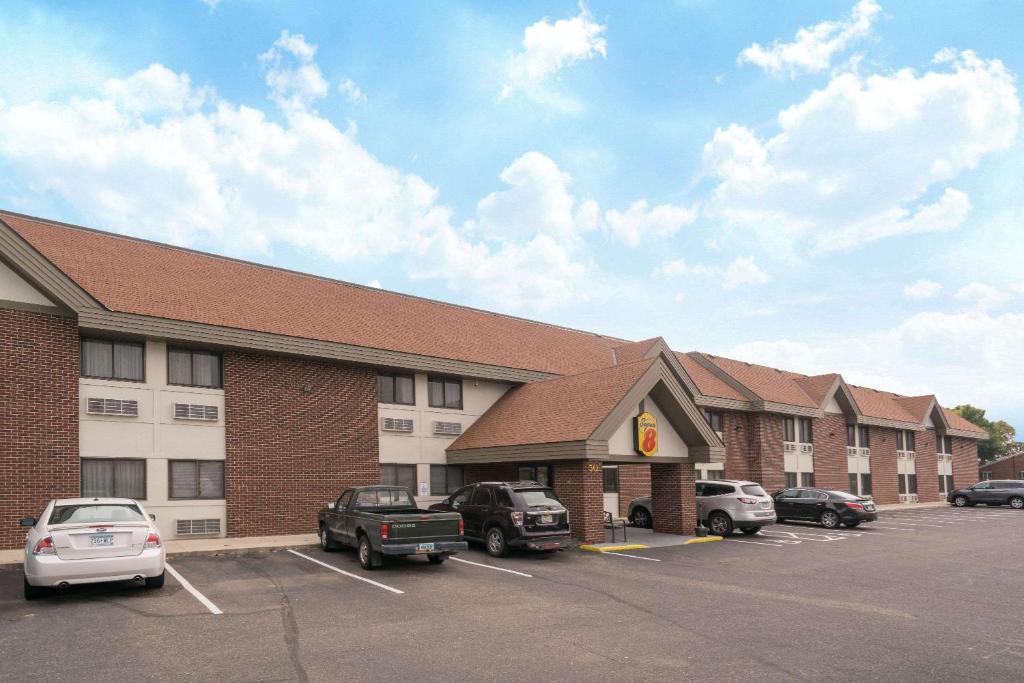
[[579, 485], [926, 465], [884, 483], [735, 434], [830, 466], [38, 416], [634, 482], [965, 462], [298, 432], [674, 498], [765, 452], [1005, 469]]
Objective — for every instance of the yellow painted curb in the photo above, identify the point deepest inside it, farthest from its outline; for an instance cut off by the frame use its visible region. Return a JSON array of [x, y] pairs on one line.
[[611, 548], [705, 539]]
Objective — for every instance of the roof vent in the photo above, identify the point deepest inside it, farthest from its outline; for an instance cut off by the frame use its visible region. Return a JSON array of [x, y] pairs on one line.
[[448, 428], [195, 411], [396, 424], [112, 406]]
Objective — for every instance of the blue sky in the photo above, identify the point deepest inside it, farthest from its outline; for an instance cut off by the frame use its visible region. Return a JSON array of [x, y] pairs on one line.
[[820, 186]]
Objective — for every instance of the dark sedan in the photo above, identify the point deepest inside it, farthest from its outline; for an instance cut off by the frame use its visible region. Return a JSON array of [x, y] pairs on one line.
[[995, 492], [826, 507]]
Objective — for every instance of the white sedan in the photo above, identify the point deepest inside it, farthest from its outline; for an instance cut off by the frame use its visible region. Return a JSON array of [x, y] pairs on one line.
[[89, 540]]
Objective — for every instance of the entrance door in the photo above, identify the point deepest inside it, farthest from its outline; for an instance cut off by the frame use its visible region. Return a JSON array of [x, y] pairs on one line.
[[611, 489]]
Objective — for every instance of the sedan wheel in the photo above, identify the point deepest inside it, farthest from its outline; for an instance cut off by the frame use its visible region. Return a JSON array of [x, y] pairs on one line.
[[641, 518], [1017, 503], [960, 501], [829, 519]]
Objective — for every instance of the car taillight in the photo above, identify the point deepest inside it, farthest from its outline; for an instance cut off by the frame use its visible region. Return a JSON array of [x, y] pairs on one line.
[[517, 518], [44, 547], [153, 540], [854, 506], [748, 500], [385, 529], [462, 526]]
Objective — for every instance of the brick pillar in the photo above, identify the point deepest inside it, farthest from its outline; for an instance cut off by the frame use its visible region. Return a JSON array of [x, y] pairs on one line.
[[674, 498], [884, 483], [965, 462], [735, 428], [926, 464], [830, 468], [634, 482], [579, 485], [766, 455], [38, 416]]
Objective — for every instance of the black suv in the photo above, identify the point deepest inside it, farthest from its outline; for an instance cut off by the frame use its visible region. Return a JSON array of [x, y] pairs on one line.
[[503, 515], [992, 492]]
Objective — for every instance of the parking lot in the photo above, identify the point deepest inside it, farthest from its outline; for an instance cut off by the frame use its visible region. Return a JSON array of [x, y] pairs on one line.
[[921, 594]]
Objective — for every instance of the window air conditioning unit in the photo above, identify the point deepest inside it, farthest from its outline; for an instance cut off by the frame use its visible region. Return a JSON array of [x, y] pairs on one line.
[[396, 424], [112, 406], [196, 527], [195, 411], [448, 428]]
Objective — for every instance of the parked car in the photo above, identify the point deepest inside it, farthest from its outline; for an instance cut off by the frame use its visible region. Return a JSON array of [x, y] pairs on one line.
[[992, 492], [723, 505], [91, 540], [826, 507], [384, 520], [503, 515]]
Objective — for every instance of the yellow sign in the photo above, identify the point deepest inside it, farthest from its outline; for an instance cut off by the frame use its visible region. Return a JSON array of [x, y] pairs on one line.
[[646, 434]]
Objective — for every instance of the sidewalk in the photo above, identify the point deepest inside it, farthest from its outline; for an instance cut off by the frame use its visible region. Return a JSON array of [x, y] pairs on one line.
[[911, 506]]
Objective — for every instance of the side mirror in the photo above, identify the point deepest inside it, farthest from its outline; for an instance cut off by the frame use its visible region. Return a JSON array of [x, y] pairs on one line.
[[330, 506], [28, 521], [152, 517]]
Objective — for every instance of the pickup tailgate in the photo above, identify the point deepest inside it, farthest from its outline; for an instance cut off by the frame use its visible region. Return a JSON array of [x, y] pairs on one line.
[[423, 527]]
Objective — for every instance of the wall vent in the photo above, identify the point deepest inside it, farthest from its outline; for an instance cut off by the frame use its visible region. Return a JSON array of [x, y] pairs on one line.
[[195, 411], [196, 527], [112, 406], [395, 424], [448, 428]]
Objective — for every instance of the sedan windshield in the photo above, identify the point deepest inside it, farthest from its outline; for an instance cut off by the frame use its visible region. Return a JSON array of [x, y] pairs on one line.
[[540, 497], [87, 513]]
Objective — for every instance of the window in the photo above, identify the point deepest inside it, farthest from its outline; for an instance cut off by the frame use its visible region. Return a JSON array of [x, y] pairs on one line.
[[445, 479], [864, 432], [851, 435], [985, 476], [113, 478], [943, 444], [383, 498], [343, 500], [396, 388], [904, 440], [806, 434], [444, 392], [611, 479], [714, 420], [788, 429], [852, 483], [716, 490], [538, 473], [790, 493], [399, 475], [911, 483], [482, 496], [865, 484], [461, 497], [196, 479], [106, 359], [949, 482], [807, 478], [1020, 475], [902, 478], [90, 513], [502, 499], [791, 480], [190, 368], [715, 474]]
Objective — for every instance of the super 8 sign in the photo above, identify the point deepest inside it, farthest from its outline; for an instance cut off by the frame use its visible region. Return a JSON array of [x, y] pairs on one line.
[[646, 434]]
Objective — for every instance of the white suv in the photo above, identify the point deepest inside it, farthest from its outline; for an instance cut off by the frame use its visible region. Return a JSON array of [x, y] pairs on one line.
[[722, 504], [89, 540]]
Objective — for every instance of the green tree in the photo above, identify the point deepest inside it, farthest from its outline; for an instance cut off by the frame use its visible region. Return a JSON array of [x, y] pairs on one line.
[[1001, 434]]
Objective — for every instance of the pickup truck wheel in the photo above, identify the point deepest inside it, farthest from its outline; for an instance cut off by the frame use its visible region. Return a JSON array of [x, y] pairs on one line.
[[368, 557], [327, 543], [495, 542], [436, 558]]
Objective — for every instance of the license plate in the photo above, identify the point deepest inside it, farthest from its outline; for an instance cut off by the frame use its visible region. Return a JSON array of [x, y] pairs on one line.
[[547, 519], [425, 548], [101, 539]]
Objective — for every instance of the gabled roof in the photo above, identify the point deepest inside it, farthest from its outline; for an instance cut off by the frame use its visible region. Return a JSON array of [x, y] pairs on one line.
[[769, 384], [817, 386], [961, 424], [883, 405], [554, 410], [707, 382], [917, 406], [630, 351]]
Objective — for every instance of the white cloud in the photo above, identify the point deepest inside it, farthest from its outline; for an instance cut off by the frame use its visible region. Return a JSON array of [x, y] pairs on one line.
[[678, 267], [922, 289], [351, 91], [812, 48], [212, 4], [549, 47], [858, 160], [156, 89], [639, 222], [743, 271], [294, 78], [967, 357], [983, 296], [374, 283]]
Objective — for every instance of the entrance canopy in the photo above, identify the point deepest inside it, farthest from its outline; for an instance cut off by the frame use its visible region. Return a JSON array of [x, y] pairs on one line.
[[594, 416]]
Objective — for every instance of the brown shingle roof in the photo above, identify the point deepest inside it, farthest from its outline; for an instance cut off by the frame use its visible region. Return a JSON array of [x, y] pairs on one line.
[[881, 404], [135, 276], [817, 386], [626, 353], [553, 410], [707, 382], [957, 422], [770, 384], [917, 406]]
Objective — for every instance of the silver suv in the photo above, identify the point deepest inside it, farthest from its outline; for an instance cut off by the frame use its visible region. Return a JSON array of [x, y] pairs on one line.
[[722, 504]]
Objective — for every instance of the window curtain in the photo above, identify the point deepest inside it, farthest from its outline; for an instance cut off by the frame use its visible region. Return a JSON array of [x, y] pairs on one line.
[[211, 479], [184, 479], [179, 366], [129, 478], [404, 390], [97, 478], [435, 390], [206, 369], [128, 362], [97, 358]]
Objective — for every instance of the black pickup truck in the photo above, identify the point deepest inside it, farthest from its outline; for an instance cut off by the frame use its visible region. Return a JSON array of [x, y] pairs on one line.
[[384, 520]]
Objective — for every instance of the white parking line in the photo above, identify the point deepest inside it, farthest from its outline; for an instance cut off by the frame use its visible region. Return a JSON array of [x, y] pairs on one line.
[[635, 557], [488, 566], [893, 521], [191, 589], [892, 528], [770, 545], [348, 574]]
